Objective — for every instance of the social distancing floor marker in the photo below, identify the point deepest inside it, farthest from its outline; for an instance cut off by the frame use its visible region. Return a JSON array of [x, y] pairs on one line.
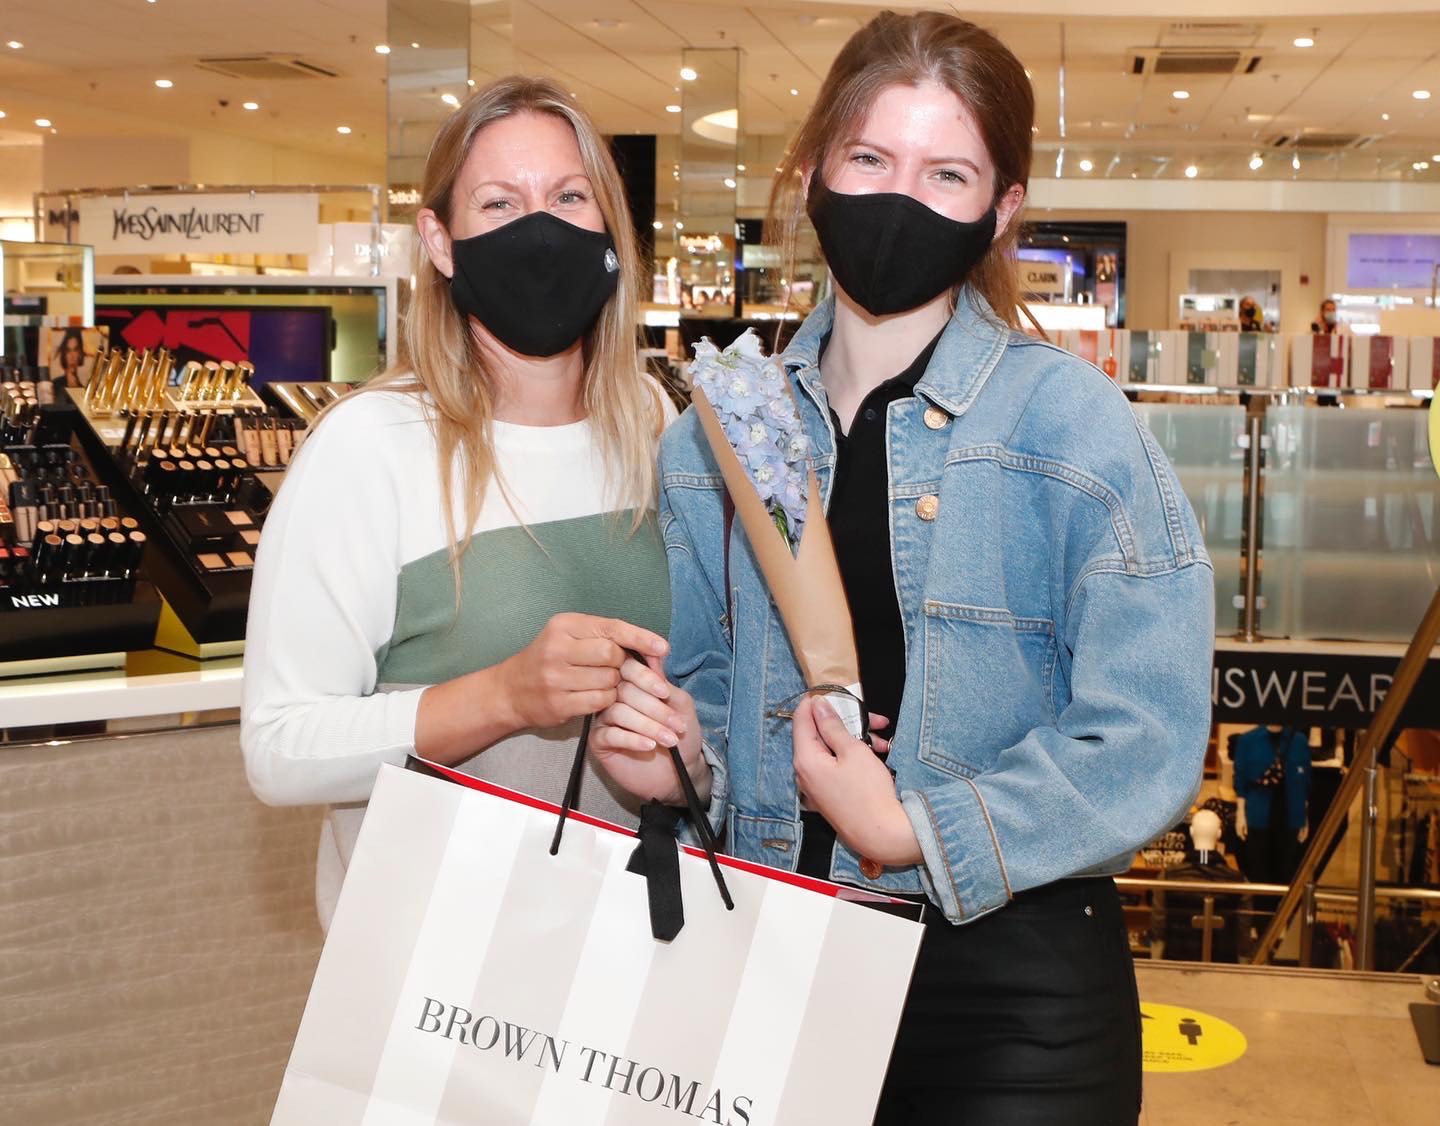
[[1179, 1039]]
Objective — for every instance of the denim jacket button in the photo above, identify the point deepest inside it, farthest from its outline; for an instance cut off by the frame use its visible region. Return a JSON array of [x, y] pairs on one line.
[[935, 418], [927, 506]]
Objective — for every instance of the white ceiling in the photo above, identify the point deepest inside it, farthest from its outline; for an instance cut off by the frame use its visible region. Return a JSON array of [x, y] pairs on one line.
[[90, 66]]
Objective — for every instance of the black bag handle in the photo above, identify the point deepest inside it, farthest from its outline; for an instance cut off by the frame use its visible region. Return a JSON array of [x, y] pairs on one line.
[[656, 857]]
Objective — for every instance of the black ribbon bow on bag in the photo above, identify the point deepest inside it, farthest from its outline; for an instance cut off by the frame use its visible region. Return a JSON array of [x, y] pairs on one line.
[[657, 857]]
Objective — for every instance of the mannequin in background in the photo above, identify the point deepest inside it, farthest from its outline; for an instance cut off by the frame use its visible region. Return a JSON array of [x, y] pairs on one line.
[[1205, 845], [1176, 911], [1272, 781]]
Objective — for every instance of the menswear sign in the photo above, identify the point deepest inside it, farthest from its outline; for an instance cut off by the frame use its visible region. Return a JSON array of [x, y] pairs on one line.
[[194, 223]]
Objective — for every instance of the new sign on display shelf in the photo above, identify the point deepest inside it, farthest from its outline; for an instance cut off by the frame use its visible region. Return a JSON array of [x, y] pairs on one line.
[[198, 223]]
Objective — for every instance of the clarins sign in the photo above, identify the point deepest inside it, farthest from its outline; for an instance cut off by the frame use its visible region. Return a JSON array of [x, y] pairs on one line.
[[195, 224]]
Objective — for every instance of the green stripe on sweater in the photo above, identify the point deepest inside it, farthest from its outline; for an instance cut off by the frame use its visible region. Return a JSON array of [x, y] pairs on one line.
[[513, 581]]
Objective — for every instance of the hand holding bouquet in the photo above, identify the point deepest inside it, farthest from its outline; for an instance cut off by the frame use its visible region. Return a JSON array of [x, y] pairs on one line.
[[742, 398]]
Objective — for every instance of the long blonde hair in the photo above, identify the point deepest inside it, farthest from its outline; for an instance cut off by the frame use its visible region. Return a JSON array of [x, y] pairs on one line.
[[440, 358], [907, 50]]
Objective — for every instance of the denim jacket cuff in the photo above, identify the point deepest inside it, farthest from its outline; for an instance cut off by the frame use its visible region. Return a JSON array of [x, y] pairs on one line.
[[963, 871], [719, 796]]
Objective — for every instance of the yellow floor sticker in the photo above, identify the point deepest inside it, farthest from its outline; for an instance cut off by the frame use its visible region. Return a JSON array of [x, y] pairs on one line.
[[1177, 1039]]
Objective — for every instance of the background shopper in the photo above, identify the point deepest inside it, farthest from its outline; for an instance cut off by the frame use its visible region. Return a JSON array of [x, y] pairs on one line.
[[1032, 600], [1328, 321], [461, 549]]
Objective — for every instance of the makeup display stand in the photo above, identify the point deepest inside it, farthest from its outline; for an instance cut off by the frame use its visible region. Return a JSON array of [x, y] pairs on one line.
[[198, 455], [71, 591]]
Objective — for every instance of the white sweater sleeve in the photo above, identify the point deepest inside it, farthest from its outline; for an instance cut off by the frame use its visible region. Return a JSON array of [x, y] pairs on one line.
[[322, 605]]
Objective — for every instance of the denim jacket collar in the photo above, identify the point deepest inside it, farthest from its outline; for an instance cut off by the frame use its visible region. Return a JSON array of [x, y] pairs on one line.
[[969, 349]]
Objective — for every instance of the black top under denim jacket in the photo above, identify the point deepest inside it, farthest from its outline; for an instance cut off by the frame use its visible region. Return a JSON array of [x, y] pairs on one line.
[[859, 519]]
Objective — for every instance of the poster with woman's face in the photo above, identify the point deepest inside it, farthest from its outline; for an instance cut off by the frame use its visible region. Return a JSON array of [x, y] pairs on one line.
[[69, 352]]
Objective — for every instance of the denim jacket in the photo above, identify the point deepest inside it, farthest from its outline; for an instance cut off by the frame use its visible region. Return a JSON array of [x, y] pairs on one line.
[[1058, 610]]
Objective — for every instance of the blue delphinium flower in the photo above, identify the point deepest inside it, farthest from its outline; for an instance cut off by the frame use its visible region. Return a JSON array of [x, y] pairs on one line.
[[751, 398]]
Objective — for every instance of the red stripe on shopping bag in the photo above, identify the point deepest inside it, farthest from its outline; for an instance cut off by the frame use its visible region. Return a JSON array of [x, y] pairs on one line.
[[821, 887]]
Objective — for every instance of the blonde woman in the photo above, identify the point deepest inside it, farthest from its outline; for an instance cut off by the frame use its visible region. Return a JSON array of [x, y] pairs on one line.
[[463, 550]]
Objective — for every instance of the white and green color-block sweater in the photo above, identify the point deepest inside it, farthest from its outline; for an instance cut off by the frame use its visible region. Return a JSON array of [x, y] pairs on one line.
[[353, 610]]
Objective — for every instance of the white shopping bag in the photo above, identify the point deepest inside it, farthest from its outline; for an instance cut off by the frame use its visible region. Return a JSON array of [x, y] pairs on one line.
[[470, 976]]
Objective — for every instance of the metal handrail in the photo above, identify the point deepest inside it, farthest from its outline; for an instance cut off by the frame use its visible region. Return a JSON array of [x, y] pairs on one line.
[[1362, 772], [1235, 887]]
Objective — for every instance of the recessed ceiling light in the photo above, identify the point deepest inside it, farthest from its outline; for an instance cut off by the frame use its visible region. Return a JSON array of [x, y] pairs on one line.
[[1034, 128], [1304, 41], [741, 167], [1180, 95], [1420, 95], [1086, 165], [382, 48], [250, 105], [1435, 157], [1420, 165], [679, 226], [43, 122], [658, 225], [672, 108], [450, 99], [14, 44], [794, 93], [1295, 162], [689, 73], [344, 129], [2, 115], [471, 82], [1191, 172], [416, 45], [164, 83], [1257, 162], [729, 182]]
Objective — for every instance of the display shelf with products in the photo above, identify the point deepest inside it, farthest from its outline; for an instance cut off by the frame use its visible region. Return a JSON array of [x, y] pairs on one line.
[[71, 549], [198, 454]]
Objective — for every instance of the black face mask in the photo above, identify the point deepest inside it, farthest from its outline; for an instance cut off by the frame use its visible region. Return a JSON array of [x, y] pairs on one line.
[[889, 251], [537, 283]]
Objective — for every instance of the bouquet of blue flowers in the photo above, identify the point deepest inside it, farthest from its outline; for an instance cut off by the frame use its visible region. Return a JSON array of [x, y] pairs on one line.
[[754, 431], [750, 396]]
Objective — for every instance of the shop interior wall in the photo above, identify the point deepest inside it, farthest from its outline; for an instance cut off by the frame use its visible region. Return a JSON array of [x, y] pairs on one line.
[[19, 177], [1158, 240]]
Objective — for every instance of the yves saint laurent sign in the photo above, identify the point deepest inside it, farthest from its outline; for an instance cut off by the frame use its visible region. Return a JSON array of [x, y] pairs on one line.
[[1314, 689], [199, 224]]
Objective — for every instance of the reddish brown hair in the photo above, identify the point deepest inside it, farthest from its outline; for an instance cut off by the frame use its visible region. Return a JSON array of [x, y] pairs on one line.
[[907, 50]]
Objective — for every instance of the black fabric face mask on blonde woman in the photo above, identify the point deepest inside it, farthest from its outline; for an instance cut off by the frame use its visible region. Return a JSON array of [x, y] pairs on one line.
[[537, 283], [889, 251]]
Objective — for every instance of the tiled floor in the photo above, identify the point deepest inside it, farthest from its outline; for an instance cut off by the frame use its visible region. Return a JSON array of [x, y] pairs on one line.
[[1323, 1048]]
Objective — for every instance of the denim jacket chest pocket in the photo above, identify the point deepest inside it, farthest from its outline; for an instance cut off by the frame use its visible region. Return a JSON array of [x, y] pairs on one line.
[[988, 681]]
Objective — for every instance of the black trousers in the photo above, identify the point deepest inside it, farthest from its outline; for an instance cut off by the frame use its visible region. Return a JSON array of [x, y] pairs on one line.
[[1026, 1017]]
